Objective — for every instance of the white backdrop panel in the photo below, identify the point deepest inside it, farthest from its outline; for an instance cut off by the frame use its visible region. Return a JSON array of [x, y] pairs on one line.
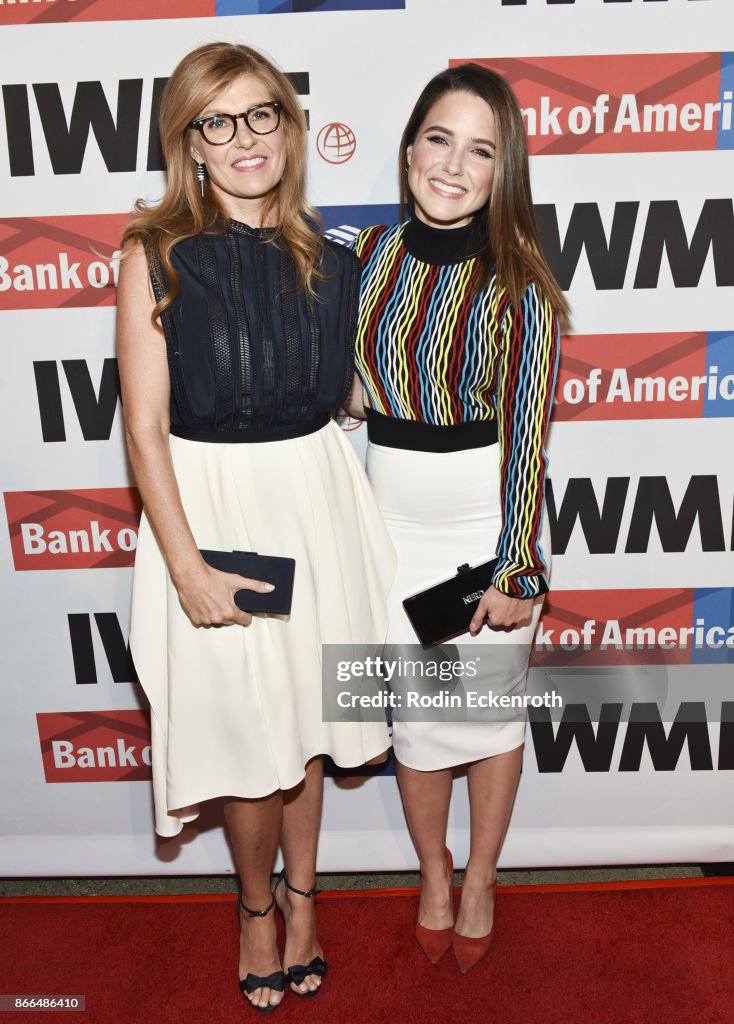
[[364, 69]]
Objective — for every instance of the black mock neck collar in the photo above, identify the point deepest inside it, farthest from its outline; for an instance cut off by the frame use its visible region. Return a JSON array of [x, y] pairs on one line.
[[240, 228], [444, 245]]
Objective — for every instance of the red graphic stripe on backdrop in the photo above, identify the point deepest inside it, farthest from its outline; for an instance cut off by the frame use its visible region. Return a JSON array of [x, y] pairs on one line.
[[632, 609], [41, 240], [97, 736], [66, 511], [42, 12], [664, 355], [53, 503], [614, 74], [78, 723]]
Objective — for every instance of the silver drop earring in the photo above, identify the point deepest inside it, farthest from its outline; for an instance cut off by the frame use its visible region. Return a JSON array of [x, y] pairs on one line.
[[201, 176]]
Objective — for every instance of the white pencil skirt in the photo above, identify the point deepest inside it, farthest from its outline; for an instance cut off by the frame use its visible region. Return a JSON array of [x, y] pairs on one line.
[[443, 510]]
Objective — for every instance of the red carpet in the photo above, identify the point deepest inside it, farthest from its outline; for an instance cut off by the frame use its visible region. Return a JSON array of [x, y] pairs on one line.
[[622, 953]]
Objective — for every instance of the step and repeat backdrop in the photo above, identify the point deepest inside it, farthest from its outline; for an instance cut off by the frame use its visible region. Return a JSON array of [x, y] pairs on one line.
[[629, 109]]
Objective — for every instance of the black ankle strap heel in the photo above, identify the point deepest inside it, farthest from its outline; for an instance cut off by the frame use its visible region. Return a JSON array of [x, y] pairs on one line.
[[252, 982], [255, 913], [296, 974], [308, 893]]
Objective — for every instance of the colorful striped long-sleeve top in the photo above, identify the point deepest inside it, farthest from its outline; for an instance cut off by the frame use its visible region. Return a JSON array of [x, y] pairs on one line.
[[430, 350]]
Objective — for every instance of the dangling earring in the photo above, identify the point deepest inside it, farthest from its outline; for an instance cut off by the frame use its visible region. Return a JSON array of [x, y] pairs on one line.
[[201, 176]]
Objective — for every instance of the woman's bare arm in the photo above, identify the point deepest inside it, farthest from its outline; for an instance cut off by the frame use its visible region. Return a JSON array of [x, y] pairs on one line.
[[206, 595]]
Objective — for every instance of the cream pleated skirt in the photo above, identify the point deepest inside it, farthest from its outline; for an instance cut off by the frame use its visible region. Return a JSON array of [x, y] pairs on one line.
[[237, 711], [443, 510]]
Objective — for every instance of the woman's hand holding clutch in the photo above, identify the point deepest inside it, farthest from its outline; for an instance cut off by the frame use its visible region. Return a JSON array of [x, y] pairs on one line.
[[501, 611], [207, 597]]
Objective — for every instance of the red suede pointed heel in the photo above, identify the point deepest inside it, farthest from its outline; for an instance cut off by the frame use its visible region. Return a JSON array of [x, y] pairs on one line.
[[469, 952], [435, 941]]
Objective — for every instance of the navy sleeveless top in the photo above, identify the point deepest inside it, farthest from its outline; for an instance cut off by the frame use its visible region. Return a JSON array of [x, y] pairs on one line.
[[252, 357]]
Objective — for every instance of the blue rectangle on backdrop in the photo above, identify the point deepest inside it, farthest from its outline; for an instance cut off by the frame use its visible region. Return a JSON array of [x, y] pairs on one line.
[[715, 606], [720, 364], [725, 139], [344, 222], [228, 7]]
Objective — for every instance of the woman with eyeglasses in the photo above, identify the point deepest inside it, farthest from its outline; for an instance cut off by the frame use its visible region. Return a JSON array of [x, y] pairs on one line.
[[457, 346], [235, 343]]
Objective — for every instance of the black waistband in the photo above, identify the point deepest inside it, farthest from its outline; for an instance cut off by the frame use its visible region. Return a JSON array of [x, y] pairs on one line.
[[250, 435], [426, 437]]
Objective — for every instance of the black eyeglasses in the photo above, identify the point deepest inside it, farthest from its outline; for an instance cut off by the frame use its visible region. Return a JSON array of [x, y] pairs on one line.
[[219, 129]]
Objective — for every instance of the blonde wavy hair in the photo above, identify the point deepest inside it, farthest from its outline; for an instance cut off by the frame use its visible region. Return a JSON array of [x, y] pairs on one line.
[[183, 212]]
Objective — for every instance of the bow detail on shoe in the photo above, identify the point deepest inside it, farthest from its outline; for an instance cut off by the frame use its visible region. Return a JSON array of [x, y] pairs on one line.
[[298, 973], [253, 982]]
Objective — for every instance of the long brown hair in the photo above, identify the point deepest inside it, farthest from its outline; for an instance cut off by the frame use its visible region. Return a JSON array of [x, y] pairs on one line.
[[183, 212], [511, 226]]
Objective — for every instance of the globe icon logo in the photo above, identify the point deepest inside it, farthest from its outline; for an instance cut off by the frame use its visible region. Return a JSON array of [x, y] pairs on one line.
[[336, 143]]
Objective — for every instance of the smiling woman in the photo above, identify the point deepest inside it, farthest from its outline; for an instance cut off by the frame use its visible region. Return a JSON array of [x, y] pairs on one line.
[[244, 155], [235, 344], [457, 346], [204, 188], [450, 170]]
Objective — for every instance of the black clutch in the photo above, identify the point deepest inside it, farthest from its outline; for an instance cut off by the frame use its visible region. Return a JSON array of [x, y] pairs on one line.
[[268, 568], [445, 610]]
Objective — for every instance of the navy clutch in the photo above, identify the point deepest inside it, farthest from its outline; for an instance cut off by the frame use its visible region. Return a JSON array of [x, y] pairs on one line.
[[445, 610], [268, 568]]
